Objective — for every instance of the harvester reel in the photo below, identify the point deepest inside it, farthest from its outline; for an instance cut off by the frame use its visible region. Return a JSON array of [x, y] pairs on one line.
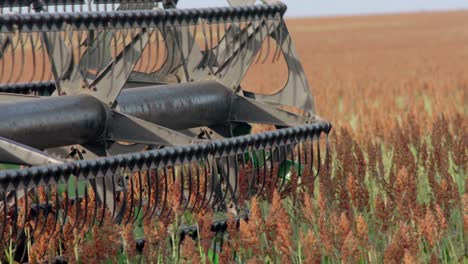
[[123, 94]]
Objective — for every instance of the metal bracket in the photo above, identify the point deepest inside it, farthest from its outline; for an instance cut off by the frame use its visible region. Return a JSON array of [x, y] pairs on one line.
[[12, 152], [131, 129]]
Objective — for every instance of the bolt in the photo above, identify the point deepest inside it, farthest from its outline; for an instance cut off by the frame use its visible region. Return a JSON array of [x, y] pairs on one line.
[[94, 89]]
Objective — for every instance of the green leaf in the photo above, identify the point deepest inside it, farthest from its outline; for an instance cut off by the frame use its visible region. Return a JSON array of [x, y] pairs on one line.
[[285, 169]]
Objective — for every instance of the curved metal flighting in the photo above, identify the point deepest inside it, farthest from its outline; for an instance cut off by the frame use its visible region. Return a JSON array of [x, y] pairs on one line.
[[55, 199]]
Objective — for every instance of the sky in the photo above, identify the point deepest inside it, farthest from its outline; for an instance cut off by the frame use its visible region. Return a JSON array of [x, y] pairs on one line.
[[302, 8]]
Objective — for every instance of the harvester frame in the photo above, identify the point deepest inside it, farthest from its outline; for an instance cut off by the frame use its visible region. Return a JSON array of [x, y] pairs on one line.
[[91, 121]]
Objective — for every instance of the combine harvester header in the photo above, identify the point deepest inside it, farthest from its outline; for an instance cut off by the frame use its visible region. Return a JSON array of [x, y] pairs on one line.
[[113, 106]]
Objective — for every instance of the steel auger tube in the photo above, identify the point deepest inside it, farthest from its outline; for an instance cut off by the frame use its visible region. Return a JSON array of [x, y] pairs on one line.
[[78, 119]]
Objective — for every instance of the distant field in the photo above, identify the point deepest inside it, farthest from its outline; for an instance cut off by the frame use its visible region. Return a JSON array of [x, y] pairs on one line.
[[358, 66]]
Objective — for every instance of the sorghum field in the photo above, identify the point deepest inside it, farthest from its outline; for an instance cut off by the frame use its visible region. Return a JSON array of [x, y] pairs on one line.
[[395, 88]]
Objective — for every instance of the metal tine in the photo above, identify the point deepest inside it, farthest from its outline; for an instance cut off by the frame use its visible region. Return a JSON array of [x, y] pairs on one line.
[[210, 50], [24, 211], [205, 191], [134, 33], [131, 193], [156, 191], [86, 203], [219, 186], [5, 213], [87, 42], [260, 43], [152, 67], [192, 36], [175, 172], [36, 208], [46, 208], [319, 159], [226, 40], [293, 159], [277, 48], [65, 201], [218, 195], [54, 46], [261, 175], [236, 41], [174, 48], [189, 184], [37, 211], [123, 34], [15, 215], [178, 173], [225, 178], [114, 195], [34, 63], [264, 171], [100, 50], [140, 200], [285, 152], [242, 167], [103, 202], [254, 178], [71, 47], [77, 206], [115, 47], [246, 42], [327, 152], [209, 172], [280, 39], [2, 59], [181, 53], [311, 142], [268, 25], [62, 53], [157, 50], [142, 64], [22, 235], [148, 188], [218, 39], [56, 214], [166, 190], [257, 169], [250, 177], [197, 192], [77, 202], [230, 188], [166, 56], [121, 214], [236, 176], [22, 55], [306, 176], [272, 170], [205, 39], [13, 47], [299, 160]]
